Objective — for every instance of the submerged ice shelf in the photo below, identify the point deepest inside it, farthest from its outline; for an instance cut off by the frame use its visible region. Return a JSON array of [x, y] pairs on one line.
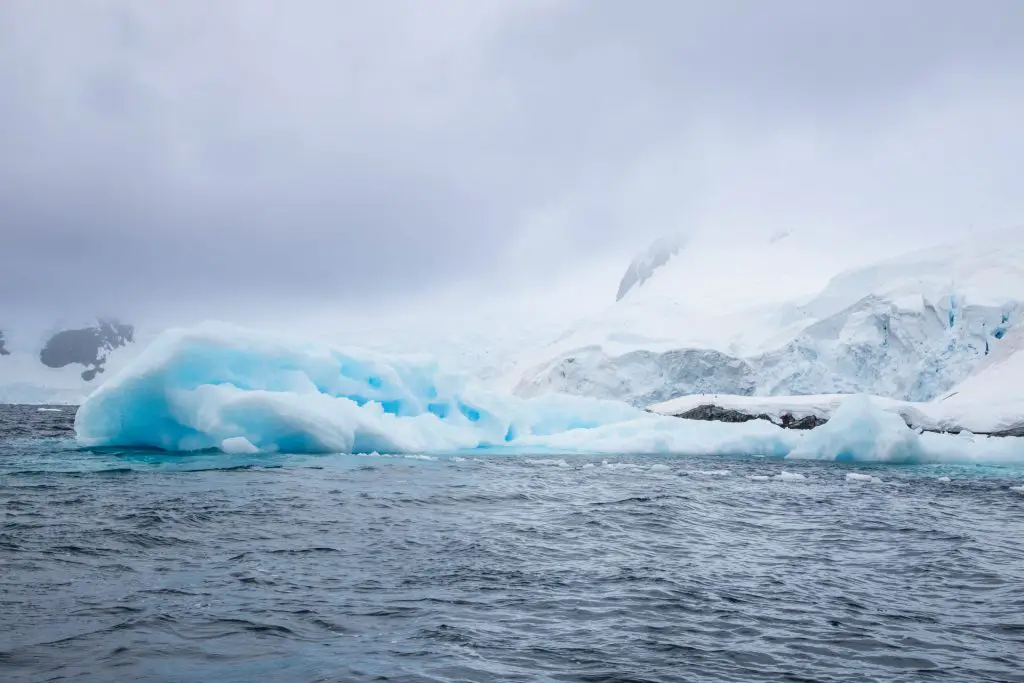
[[235, 390]]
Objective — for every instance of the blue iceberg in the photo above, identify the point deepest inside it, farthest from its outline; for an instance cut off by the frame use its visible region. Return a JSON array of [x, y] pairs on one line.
[[861, 430], [220, 387]]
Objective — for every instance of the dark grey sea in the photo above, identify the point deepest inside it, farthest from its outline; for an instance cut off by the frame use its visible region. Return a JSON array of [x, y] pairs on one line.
[[142, 566]]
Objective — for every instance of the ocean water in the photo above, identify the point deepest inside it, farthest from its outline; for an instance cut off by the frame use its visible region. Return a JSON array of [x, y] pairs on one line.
[[136, 566]]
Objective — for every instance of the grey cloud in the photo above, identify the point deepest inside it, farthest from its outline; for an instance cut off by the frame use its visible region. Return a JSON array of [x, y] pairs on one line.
[[339, 153]]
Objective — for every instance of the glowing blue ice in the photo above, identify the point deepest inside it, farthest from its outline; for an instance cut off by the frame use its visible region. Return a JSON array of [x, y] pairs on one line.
[[860, 430], [221, 387], [238, 391]]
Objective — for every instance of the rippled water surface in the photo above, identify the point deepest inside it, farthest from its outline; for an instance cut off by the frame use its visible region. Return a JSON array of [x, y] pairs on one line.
[[121, 566]]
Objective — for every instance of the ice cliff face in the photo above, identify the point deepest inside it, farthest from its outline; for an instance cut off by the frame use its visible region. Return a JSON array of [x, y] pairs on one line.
[[907, 328]]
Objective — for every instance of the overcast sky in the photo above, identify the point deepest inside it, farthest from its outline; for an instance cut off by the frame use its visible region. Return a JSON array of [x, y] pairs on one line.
[[177, 155]]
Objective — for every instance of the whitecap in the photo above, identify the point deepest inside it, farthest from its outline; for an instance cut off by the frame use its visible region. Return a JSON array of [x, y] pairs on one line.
[[548, 462], [866, 478]]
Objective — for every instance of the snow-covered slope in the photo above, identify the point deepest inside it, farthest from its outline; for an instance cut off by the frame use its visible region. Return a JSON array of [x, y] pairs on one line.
[[910, 327], [990, 401]]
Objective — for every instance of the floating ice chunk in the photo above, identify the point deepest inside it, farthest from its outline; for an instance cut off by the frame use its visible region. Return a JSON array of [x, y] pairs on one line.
[[759, 477], [659, 468], [867, 478], [1017, 489], [621, 466], [549, 462], [861, 431], [944, 480], [238, 445], [714, 473], [49, 410], [789, 476]]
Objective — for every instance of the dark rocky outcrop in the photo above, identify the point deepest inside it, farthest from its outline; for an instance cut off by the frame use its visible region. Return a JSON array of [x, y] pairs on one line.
[[644, 265], [710, 412], [713, 413], [3, 346], [89, 346], [1015, 430]]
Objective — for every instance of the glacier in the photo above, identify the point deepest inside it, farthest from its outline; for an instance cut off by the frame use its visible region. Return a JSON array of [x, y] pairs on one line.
[[908, 327], [221, 387], [990, 401]]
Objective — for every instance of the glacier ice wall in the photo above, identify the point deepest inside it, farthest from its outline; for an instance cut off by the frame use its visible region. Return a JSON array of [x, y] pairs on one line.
[[909, 327], [910, 349]]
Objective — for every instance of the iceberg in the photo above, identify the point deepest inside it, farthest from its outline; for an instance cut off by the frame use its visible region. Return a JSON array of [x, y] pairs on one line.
[[221, 387], [861, 430]]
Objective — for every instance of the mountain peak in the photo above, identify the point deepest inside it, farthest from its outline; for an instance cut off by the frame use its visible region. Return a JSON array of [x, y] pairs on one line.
[[88, 346], [646, 263]]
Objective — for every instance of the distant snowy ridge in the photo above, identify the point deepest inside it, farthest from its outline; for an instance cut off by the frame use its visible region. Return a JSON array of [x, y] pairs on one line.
[[60, 367], [908, 328], [88, 346]]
